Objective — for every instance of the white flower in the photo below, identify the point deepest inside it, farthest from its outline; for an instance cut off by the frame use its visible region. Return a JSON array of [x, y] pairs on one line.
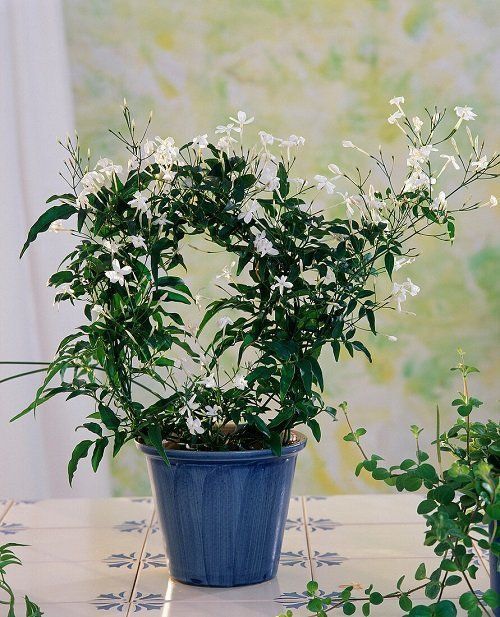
[[351, 202], [417, 124], [372, 201], [268, 177], [111, 246], [440, 203], [493, 201], [482, 163], [465, 113], [334, 169], [397, 100], [224, 129], [417, 179], [138, 242], [165, 151], [392, 338], [227, 272], [449, 159], [93, 181], [241, 119], [225, 321], [57, 226], [194, 426], [161, 220], [294, 141], [249, 213], [419, 155], [82, 200], [240, 382], [108, 167], [201, 141], [96, 311], [140, 203], [266, 138], [282, 283], [224, 143], [322, 182], [348, 144], [212, 411], [149, 147], [190, 406], [209, 382], [402, 261], [263, 246], [118, 274], [401, 290], [393, 118]]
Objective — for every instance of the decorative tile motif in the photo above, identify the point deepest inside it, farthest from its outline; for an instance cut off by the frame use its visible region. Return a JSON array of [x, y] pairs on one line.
[[10, 529], [132, 526], [112, 601], [121, 560], [313, 524], [294, 600], [147, 602], [301, 558]]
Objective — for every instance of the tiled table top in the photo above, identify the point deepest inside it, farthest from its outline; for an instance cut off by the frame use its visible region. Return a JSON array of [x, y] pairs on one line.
[[105, 557]]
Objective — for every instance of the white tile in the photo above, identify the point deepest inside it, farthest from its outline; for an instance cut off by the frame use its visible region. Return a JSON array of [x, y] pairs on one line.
[[217, 609], [4, 507], [84, 582], [85, 544], [61, 513], [365, 509], [370, 541], [384, 574], [82, 610]]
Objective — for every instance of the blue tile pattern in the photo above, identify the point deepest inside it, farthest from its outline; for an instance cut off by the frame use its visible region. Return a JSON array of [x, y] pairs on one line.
[[319, 524]]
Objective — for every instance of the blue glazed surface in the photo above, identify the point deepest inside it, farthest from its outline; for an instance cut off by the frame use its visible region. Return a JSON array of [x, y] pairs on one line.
[[494, 572], [222, 514]]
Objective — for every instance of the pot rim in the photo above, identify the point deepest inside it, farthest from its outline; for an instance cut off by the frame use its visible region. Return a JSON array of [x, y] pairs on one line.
[[229, 456]]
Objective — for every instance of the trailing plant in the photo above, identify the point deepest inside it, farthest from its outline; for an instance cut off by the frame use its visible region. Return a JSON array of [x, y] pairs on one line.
[[461, 507], [8, 558], [307, 274]]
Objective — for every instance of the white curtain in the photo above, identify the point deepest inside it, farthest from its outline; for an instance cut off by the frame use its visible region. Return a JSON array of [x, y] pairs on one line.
[[35, 110]]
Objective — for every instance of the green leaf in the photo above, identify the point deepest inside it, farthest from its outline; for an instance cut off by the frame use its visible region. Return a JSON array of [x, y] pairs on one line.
[[493, 511], [389, 264], [420, 574], [312, 587], [80, 451], [492, 598], [405, 603], [468, 600], [156, 440], [376, 598], [360, 347], [108, 417], [444, 608], [287, 374], [315, 429], [100, 446], [426, 506], [56, 213], [348, 608], [432, 589]]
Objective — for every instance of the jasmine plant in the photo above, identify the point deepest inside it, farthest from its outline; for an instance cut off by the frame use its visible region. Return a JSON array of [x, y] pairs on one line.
[[311, 266]]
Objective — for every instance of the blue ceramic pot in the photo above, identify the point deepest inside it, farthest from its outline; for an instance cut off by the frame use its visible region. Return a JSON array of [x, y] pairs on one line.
[[222, 514]]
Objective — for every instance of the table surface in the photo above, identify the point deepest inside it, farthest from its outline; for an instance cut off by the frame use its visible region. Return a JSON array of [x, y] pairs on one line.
[[91, 557]]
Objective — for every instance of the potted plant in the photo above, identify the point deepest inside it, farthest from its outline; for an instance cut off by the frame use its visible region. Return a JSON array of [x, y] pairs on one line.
[[461, 507], [219, 436]]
